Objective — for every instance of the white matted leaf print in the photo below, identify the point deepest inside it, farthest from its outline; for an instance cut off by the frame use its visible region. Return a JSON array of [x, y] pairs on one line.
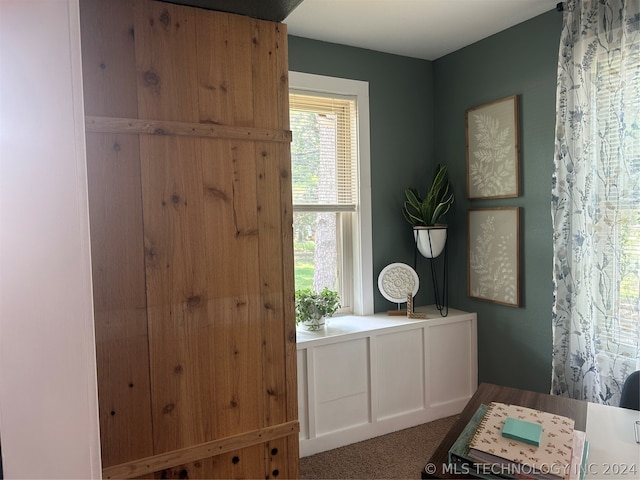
[[492, 150], [489, 171], [493, 255]]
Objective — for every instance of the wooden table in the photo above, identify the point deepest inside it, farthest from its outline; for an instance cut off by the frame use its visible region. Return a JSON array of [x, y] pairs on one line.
[[487, 393]]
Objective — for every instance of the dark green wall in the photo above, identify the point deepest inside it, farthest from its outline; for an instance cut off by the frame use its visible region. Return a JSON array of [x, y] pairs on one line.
[[514, 344], [417, 120], [401, 117]]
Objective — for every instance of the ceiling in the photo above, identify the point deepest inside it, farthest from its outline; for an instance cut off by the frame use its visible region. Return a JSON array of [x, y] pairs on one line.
[[426, 29]]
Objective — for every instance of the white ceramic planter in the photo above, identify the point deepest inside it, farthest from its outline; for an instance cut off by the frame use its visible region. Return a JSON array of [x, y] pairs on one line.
[[314, 324], [430, 240]]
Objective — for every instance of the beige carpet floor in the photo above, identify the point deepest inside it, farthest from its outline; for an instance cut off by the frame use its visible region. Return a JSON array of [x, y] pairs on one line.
[[398, 455]]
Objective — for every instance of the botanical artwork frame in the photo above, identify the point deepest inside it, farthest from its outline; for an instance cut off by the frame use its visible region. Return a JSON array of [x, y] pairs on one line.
[[493, 255], [493, 150]]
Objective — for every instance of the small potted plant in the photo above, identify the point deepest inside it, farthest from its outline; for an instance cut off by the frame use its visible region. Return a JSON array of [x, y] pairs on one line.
[[313, 308], [424, 213]]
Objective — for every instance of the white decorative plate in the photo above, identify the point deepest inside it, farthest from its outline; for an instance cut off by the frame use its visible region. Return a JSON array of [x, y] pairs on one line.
[[396, 281]]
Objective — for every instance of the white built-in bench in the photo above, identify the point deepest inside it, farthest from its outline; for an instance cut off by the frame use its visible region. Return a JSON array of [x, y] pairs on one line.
[[364, 376]]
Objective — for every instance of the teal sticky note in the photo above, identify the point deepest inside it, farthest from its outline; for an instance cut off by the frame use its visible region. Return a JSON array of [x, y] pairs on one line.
[[527, 432]]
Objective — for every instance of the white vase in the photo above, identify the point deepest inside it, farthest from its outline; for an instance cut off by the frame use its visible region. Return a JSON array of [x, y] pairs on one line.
[[430, 240]]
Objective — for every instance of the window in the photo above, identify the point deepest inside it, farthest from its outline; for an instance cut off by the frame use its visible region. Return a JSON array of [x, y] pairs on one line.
[[331, 188], [618, 225]]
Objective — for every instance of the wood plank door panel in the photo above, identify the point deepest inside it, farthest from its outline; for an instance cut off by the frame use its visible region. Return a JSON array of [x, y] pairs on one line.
[[265, 106], [225, 67], [166, 65], [117, 257], [272, 270], [108, 58], [234, 288], [180, 330], [288, 282]]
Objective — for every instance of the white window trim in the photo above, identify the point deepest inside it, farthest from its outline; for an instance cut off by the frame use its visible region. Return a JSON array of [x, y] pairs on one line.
[[362, 235]]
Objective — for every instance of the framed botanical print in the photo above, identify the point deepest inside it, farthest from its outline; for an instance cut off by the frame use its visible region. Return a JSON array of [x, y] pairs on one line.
[[493, 166], [493, 257]]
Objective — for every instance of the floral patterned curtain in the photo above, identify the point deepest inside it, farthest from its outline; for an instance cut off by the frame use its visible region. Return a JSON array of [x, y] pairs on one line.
[[596, 200]]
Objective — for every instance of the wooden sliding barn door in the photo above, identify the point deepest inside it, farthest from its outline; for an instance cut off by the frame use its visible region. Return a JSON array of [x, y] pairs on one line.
[[188, 149]]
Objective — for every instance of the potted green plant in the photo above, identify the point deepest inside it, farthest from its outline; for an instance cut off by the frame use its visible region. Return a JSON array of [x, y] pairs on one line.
[[423, 213], [313, 308]]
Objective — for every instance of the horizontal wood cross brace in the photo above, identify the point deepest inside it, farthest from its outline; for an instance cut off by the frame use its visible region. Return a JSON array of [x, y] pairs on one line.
[[165, 127], [174, 458]]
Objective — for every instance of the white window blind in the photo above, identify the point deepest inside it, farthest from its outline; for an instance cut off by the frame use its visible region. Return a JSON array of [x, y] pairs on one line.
[[326, 161]]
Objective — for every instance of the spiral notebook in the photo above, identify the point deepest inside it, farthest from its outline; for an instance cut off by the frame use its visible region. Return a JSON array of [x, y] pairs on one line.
[[552, 459]]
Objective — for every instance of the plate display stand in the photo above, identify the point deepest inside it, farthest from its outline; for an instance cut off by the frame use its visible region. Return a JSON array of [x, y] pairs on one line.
[[395, 282]]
